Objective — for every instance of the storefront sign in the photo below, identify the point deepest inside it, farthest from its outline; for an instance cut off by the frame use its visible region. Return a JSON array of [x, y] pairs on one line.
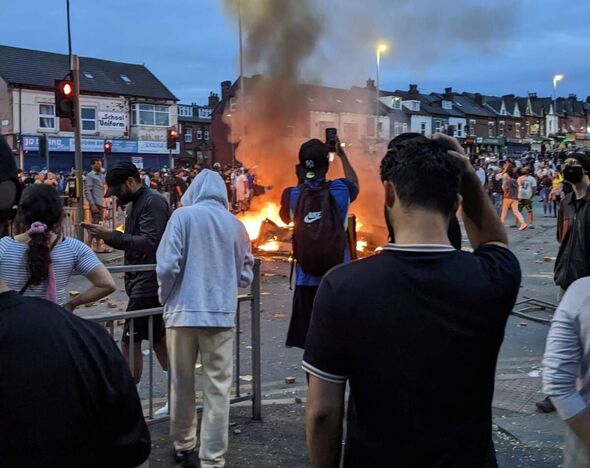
[[108, 120], [155, 147], [96, 145], [493, 141]]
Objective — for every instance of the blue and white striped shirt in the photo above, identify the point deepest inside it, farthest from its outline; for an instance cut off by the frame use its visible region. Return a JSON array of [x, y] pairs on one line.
[[68, 257]]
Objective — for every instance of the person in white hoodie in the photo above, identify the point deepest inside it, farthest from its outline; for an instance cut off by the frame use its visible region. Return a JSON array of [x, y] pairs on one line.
[[203, 258]]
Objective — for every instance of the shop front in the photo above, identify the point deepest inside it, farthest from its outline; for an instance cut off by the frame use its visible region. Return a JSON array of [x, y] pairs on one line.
[[149, 155]]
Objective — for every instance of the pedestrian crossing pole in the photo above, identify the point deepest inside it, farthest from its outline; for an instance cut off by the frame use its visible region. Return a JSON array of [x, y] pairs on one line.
[[78, 161]]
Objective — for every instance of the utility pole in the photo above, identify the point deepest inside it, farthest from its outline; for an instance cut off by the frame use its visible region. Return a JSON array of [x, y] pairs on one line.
[[242, 112], [78, 161]]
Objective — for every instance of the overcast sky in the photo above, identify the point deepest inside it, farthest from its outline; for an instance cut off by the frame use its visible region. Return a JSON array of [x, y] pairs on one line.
[[191, 45]]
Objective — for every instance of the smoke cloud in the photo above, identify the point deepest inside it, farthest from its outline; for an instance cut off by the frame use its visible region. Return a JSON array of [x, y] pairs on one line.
[[290, 42]]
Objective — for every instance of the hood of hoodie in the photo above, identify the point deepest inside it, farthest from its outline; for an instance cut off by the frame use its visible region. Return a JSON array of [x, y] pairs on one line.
[[206, 187]]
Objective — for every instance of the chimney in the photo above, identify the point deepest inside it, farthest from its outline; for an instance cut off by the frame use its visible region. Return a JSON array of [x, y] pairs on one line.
[[449, 95], [588, 100], [508, 96], [573, 96], [225, 88], [533, 95], [371, 84], [413, 89], [478, 98], [213, 100]]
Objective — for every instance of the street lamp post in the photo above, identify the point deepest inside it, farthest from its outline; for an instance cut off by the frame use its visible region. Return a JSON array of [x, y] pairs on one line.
[[556, 79], [380, 49]]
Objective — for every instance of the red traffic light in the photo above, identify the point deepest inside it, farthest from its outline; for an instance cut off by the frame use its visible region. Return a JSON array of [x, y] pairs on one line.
[[66, 88], [108, 146], [172, 138]]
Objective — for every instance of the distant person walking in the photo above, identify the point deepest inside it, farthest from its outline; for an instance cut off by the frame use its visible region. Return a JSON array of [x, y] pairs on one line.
[[510, 202], [198, 287], [94, 192], [527, 186]]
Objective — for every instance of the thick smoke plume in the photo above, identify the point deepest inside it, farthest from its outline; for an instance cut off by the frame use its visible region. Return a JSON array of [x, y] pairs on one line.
[[290, 42]]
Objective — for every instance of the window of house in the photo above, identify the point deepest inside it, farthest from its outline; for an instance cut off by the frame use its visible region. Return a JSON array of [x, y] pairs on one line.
[[151, 115], [405, 128], [185, 111], [415, 106], [447, 105], [233, 104], [396, 103], [206, 134], [351, 131], [188, 135], [528, 127], [125, 78], [423, 128], [491, 126], [397, 128], [47, 116], [459, 129], [370, 126], [517, 129], [472, 127], [88, 119], [88, 75], [502, 128], [199, 134], [437, 126]]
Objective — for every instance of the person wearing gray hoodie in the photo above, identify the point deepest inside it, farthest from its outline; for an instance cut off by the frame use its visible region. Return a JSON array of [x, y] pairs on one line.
[[203, 258]]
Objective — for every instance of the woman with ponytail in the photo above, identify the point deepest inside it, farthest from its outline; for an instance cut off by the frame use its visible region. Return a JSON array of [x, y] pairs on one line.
[[41, 261]]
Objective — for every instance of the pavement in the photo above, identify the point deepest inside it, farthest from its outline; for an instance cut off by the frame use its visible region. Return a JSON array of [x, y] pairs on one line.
[[523, 437]]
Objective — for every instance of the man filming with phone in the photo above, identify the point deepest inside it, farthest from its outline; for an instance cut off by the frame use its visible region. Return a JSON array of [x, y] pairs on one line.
[[318, 208]]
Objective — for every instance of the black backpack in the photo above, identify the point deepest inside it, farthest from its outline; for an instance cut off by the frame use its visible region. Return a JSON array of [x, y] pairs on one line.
[[319, 238]]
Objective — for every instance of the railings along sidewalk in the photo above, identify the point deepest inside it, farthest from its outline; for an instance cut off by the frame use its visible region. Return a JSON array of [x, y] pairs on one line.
[[253, 297]]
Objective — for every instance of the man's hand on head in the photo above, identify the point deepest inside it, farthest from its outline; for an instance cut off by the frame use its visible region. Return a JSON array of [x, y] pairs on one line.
[[454, 149]]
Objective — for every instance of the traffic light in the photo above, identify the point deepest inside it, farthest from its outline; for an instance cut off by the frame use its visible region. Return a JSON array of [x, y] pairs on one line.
[[43, 146], [64, 99], [172, 138], [107, 147]]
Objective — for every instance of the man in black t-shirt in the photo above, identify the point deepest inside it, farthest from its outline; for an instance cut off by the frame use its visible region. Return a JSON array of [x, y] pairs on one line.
[[415, 330], [67, 398]]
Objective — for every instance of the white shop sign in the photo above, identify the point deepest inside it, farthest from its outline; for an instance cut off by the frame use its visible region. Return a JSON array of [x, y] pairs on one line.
[[108, 120]]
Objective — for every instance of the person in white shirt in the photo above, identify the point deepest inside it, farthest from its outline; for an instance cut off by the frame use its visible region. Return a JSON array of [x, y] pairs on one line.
[[566, 379], [527, 186]]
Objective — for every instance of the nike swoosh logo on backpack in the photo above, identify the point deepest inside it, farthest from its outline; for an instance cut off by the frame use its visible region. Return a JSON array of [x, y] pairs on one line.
[[312, 217]]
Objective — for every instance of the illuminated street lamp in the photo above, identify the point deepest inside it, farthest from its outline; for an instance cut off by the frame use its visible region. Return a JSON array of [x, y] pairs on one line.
[[556, 79], [381, 48]]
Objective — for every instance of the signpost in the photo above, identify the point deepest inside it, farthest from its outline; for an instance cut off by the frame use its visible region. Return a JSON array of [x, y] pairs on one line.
[[75, 66]]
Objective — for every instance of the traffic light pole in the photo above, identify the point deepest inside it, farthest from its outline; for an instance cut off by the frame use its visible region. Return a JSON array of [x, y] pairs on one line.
[[78, 161]]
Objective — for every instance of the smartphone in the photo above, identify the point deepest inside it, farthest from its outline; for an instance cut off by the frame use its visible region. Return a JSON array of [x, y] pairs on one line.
[[331, 139]]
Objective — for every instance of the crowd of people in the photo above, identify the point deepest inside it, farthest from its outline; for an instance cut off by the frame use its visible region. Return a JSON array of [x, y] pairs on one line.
[[419, 324]]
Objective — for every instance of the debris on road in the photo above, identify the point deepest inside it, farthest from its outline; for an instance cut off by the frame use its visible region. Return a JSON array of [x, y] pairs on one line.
[[246, 378], [290, 380]]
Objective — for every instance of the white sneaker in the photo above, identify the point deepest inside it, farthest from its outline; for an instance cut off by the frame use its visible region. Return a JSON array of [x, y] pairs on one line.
[[163, 411]]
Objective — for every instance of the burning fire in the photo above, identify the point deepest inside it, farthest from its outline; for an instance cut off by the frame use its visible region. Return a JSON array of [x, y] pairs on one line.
[[253, 220], [272, 246], [361, 245]]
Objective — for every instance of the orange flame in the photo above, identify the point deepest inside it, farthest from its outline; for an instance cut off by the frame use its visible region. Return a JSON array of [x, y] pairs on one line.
[[272, 246], [253, 219], [361, 245]]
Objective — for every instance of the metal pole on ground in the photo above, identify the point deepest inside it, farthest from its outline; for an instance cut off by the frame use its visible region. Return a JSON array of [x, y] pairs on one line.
[[256, 356]]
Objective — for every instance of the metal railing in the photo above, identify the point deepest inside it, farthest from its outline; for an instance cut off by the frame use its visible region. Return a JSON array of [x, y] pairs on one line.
[[253, 297]]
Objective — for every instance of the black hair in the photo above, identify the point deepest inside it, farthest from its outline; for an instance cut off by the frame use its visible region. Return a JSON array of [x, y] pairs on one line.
[[40, 202], [95, 160], [423, 173]]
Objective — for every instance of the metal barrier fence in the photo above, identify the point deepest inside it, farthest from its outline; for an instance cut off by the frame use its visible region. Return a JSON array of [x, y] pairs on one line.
[[253, 297], [70, 220]]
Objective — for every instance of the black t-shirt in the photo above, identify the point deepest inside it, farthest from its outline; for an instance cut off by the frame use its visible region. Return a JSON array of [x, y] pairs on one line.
[[67, 398], [416, 331]]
